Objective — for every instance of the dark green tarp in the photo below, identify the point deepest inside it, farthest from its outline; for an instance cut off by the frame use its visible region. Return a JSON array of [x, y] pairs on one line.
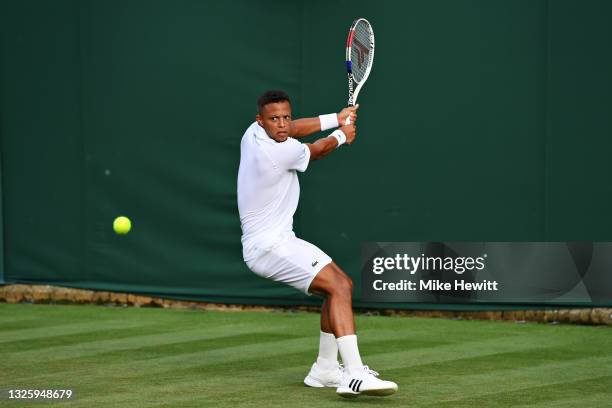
[[482, 121]]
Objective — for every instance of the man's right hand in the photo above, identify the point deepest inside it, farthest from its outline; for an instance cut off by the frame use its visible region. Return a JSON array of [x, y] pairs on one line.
[[350, 131], [346, 112]]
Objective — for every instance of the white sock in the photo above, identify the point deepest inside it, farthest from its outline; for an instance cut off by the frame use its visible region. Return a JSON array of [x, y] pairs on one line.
[[328, 351], [347, 345]]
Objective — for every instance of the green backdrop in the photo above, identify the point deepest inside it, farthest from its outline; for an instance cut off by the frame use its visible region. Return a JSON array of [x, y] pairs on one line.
[[482, 121]]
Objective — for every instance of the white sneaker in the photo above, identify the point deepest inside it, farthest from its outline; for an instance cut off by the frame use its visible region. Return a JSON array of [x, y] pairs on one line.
[[364, 381], [317, 377]]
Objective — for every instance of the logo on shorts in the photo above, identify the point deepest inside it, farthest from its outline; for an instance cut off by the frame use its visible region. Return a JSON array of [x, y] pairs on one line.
[[314, 263]]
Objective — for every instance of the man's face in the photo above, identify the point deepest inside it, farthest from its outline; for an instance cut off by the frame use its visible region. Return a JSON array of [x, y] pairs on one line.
[[275, 118]]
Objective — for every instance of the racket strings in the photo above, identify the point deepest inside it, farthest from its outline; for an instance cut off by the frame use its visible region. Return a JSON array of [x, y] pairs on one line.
[[361, 51]]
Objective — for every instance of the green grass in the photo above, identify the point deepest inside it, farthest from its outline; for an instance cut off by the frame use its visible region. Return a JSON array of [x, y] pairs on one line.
[[130, 357]]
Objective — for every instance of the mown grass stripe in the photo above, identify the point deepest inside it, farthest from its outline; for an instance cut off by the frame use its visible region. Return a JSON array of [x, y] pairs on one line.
[[494, 384], [134, 342], [70, 328], [478, 348], [232, 354], [592, 392], [40, 344], [7, 319], [271, 384]]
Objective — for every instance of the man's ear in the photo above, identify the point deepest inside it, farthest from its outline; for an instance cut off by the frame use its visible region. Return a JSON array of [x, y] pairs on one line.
[[259, 119]]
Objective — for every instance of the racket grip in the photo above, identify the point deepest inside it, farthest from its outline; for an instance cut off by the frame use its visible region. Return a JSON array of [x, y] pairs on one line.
[[348, 118]]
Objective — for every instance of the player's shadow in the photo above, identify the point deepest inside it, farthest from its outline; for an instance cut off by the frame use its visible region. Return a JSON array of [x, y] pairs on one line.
[[329, 397]]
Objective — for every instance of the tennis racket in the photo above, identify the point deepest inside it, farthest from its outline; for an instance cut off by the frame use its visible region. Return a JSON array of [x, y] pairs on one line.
[[359, 58]]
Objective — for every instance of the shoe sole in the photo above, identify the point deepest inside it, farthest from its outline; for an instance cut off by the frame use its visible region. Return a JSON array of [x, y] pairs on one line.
[[380, 393], [311, 382], [383, 392], [348, 394]]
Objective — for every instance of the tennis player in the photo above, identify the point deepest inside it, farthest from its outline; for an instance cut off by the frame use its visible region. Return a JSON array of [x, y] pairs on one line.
[[268, 195]]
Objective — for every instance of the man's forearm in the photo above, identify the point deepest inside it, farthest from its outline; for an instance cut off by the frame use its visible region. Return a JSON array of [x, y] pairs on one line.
[[307, 126], [322, 147]]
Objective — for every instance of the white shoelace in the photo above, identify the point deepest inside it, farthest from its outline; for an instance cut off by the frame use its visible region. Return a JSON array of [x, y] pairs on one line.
[[370, 371]]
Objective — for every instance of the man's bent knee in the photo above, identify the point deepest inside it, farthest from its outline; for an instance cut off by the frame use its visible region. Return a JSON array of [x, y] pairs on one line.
[[344, 287], [331, 281], [347, 280]]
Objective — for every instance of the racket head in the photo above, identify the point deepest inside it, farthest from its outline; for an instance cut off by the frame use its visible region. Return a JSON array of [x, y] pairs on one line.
[[359, 54]]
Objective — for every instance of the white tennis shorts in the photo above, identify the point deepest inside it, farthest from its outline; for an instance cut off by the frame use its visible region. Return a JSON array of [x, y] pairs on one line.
[[294, 261]]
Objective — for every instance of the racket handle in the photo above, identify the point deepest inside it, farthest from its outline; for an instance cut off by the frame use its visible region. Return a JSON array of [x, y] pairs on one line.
[[348, 118]]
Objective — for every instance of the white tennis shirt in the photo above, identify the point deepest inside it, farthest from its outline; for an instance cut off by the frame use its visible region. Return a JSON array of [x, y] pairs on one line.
[[268, 189]]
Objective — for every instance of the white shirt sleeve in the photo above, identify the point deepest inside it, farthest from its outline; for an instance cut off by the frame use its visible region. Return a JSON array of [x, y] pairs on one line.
[[291, 155]]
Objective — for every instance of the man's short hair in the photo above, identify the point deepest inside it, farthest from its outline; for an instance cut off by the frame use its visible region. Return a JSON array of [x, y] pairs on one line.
[[272, 97]]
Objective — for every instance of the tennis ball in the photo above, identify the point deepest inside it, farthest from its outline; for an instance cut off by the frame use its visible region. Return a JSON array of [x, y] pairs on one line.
[[122, 225]]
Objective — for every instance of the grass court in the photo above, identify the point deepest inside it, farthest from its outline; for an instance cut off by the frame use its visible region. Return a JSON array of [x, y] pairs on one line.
[[147, 357]]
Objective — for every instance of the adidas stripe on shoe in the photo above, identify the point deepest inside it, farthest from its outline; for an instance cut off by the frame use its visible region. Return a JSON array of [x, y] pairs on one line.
[[364, 381]]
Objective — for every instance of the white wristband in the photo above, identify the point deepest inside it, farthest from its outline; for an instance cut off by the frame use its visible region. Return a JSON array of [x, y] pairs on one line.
[[340, 137], [328, 121]]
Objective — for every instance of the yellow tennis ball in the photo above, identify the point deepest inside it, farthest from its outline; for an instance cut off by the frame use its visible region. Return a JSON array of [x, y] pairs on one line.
[[122, 225]]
